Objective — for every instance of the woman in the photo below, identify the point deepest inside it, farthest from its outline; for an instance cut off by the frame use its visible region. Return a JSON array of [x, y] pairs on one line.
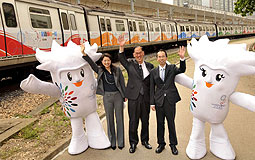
[[111, 86]]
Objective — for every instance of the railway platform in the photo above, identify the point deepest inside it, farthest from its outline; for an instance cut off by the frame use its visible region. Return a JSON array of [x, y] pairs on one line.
[[239, 124]]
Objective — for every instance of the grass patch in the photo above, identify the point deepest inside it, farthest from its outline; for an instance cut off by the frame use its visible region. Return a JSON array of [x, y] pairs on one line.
[[45, 111], [7, 153], [22, 116], [31, 132]]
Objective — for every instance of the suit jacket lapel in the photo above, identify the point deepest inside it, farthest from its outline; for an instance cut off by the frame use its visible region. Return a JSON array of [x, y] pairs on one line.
[[166, 71], [158, 74], [147, 66], [137, 69], [115, 75]]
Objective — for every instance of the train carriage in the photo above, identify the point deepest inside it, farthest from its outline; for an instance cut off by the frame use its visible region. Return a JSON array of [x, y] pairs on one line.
[[26, 25]]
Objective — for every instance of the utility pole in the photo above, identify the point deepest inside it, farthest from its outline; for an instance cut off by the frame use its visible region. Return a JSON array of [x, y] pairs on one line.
[[132, 6]]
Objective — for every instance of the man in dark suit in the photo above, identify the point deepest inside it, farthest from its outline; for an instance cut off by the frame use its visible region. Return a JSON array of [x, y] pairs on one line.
[[138, 94], [165, 97]]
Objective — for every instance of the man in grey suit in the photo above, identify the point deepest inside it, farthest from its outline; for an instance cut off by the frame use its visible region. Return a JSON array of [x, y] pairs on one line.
[[165, 97], [138, 94]]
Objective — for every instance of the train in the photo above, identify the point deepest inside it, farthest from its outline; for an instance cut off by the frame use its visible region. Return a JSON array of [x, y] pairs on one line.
[[29, 24]]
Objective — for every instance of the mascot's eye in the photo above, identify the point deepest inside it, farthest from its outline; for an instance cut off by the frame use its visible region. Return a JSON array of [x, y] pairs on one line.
[[69, 76], [203, 72], [219, 77], [82, 72]]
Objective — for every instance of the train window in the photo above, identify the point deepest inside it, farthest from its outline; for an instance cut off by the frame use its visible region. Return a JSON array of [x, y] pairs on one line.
[[168, 28], [134, 26], [108, 24], [9, 15], [65, 21], [40, 18], [173, 28], [130, 26], [141, 26], [163, 28], [73, 22], [38, 10], [182, 29], [196, 28], [151, 27], [120, 25], [102, 23], [192, 28], [187, 29], [156, 25]]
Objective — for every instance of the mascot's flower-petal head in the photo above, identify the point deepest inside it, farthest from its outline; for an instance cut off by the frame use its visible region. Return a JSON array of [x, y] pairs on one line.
[[65, 58], [234, 59]]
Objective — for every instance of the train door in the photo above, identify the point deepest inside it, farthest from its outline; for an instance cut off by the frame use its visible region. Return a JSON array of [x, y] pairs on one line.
[[143, 32], [188, 32], [11, 28], [173, 32], [66, 26], [156, 36], [2, 41], [75, 37], [163, 32], [108, 38], [81, 26], [120, 28], [192, 29], [196, 31], [168, 31], [94, 29], [134, 38], [151, 31], [182, 33]]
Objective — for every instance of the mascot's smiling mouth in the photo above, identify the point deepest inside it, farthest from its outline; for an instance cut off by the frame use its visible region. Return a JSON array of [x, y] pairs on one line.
[[78, 84], [209, 85]]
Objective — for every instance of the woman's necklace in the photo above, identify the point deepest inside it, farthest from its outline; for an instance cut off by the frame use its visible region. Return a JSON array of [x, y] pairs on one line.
[[105, 77]]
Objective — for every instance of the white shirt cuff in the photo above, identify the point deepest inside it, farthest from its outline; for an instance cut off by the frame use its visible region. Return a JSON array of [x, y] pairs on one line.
[[182, 59]]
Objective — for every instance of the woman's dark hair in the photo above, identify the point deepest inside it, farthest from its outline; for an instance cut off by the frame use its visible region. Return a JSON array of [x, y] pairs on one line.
[[109, 56], [162, 50]]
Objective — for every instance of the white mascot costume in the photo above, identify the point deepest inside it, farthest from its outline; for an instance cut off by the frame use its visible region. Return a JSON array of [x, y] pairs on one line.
[[75, 85], [218, 67]]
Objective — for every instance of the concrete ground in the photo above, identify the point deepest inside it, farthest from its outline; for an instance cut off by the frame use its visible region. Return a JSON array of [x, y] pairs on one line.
[[239, 124]]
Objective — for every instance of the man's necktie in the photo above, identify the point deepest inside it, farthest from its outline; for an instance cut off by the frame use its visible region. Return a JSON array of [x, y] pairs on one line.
[[141, 73], [141, 70], [162, 76]]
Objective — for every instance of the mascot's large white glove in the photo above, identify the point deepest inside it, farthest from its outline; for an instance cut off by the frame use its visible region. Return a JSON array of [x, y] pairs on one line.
[[34, 85]]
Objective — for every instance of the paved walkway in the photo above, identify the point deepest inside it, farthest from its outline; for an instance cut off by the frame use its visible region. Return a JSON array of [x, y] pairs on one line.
[[240, 125]]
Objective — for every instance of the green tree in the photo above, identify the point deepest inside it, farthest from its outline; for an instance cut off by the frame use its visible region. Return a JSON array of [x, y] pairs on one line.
[[244, 7]]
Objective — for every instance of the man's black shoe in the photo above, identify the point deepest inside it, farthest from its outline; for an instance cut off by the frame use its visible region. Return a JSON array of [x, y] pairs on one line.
[[160, 148], [132, 148], [113, 147], [146, 145], [174, 149], [120, 147]]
